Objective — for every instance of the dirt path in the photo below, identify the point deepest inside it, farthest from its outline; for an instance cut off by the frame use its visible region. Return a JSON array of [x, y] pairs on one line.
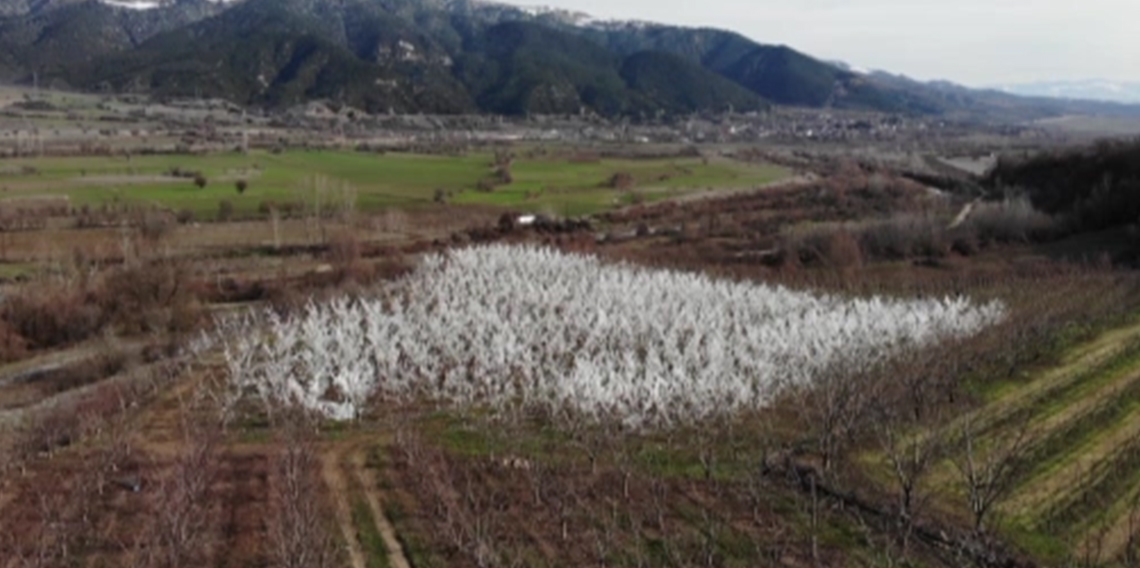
[[339, 489], [344, 470], [368, 485], [786, 183]]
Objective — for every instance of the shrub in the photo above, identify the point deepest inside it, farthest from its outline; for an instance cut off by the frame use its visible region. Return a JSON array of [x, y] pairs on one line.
[[241, 185], [13, 346], [904, 236], [485, 185], [200, 181], [848, 245], [344, 249], [48, 316], [1012, 220], [225, 210], [621, 181], [152, 225], [843, 250], [149, 298]]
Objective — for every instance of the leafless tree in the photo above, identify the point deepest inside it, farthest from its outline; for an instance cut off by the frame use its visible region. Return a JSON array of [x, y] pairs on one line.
[[910, 459], [988, 473], [49, 544], [1132, 547], [837, 406], [176, 535], [297, 534]]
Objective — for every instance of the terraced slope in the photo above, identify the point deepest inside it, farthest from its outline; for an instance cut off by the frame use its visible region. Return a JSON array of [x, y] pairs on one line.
[[1076, 478]]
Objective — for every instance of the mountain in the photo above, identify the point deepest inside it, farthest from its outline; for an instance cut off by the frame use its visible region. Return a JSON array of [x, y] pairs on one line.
[[1091, 90], [51, 37], [677, 86], [991, 104], [399, 56], [440, 56], [283, 52]]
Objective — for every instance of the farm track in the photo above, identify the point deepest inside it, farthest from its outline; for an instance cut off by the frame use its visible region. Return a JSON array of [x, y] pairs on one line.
[[370, 490], [332, 470], [348, 478], [789, 183]]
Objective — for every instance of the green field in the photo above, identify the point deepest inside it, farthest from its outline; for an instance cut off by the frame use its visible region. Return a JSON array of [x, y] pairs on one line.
[[375, 181]]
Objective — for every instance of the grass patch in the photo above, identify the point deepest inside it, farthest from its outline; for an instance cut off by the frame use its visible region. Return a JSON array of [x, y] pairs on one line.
[[371, 542], [477, 436], [1063, 445], [1070, 383], [415, 551], [1108, 479], [377, 181], [16, 271]]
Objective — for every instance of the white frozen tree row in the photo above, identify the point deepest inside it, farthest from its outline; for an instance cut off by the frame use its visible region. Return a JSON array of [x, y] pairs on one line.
[[513, 326]]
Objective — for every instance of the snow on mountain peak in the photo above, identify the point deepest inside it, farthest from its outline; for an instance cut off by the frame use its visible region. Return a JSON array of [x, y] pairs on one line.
[[148, 4]]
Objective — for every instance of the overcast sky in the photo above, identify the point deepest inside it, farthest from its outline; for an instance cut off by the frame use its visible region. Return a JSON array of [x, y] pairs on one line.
[[973, 42]]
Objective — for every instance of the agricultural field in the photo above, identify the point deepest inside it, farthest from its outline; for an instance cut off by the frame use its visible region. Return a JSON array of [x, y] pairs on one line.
[[1057, 447], [685, 361], [564, 185]]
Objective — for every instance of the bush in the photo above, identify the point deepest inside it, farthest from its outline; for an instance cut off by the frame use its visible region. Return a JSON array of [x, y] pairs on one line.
[[843, 250], [13, 346], [622, 181], [200, 181], [225, 210], [1012, 220], [504, 176], [150, 298], [241, 185], [152, 225], [849, 245], [904, 236], [52, 315]]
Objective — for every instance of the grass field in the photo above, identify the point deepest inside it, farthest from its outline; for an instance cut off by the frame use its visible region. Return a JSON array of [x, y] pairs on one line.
[[373, 181]]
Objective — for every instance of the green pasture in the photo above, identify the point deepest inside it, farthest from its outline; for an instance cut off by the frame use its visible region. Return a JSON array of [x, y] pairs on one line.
[[373, 181]]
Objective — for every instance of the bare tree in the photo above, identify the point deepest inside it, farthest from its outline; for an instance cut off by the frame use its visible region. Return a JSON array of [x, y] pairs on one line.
[[176, 535], [910, 459], [297, 534], [988, 474], [1131, 556], [837, 406]]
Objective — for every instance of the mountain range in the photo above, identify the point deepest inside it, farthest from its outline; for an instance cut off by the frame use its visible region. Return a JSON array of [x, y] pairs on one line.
[[1089, 89], [445, 56]]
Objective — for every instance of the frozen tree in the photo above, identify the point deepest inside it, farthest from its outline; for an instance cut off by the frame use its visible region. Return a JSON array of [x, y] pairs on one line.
[[515, 327]]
